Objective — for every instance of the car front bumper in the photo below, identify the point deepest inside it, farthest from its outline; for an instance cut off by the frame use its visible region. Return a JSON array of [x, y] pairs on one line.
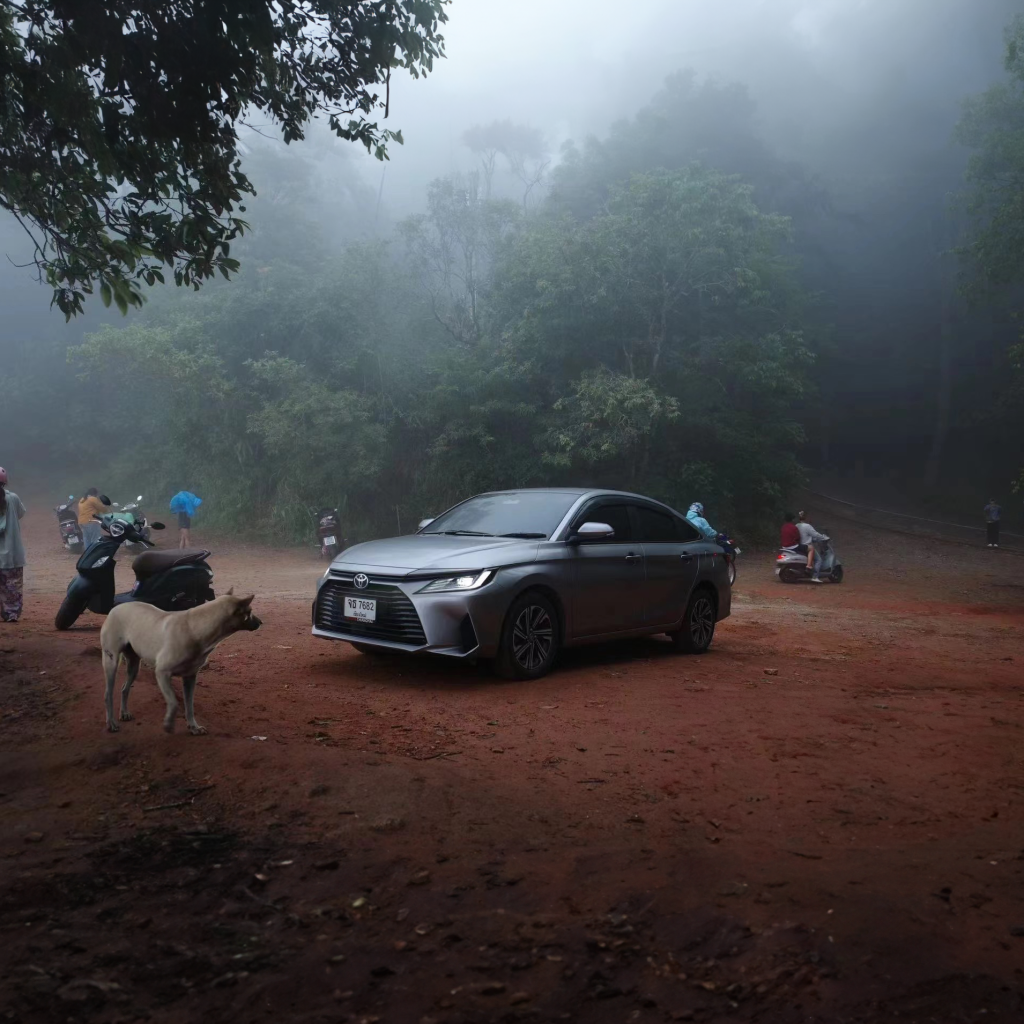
[[459, 624]]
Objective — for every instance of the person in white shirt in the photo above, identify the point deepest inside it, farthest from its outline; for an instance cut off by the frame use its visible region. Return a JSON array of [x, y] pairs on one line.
[[809, 536]]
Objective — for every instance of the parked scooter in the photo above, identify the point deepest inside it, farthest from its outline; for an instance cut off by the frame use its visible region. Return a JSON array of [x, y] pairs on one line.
[[791, 566], [67, 521], [328, 531], [173, 580], [132, 513]]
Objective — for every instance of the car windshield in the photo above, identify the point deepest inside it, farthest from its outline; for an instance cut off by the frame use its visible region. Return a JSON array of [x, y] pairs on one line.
[[526, 514]]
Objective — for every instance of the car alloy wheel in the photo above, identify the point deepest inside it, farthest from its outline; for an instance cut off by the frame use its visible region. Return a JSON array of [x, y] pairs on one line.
[[533, 637], [702, 622]]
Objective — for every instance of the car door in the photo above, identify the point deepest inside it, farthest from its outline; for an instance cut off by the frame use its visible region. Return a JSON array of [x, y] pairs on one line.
[[608, 575], [671, 560]]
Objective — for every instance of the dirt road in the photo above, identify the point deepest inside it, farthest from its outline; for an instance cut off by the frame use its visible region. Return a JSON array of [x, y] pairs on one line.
[[820, 820]]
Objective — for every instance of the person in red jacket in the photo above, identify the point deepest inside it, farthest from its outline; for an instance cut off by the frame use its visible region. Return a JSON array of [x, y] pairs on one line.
[[790, 536]]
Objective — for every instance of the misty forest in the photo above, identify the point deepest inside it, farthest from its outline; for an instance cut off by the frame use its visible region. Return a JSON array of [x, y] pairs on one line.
[[370, 340], [731, 289]]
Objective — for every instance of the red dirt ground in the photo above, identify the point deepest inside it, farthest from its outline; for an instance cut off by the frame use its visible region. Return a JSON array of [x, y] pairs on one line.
[[820, 820]]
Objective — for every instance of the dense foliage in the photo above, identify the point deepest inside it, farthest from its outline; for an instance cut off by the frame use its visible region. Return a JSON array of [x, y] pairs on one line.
[[678, 307], [119, 149], [993, 258], [656, 345]]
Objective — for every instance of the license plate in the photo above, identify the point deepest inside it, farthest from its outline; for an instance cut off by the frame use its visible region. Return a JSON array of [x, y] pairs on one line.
[[360, 609], [328, 541]]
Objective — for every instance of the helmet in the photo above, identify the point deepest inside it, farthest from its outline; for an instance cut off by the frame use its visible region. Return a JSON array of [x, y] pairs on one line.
[[3, 475], [698, 508]]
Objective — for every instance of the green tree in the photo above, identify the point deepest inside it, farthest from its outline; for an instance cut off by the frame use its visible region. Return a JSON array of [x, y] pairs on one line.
[[993, 256], [119, 150], [993, 126]]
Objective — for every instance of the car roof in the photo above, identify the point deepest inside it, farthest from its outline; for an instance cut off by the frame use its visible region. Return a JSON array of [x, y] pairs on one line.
[[583, 492]]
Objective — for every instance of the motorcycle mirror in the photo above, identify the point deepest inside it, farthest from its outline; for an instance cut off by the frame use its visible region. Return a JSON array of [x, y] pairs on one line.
[[139, 498], [157, 526], [71, 497]]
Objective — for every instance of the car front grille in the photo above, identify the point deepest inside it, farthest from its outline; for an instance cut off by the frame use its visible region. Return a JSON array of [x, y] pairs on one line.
[[397, 620]]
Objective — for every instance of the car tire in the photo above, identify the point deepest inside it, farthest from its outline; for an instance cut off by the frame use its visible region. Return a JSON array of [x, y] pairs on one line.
[[70, 609], [788, 575], [698, 628], [530, 638]]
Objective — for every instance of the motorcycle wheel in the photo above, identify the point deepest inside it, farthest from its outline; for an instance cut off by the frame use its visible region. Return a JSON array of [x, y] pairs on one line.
[[732, 573], [837, 574], [788, 575], [69, 611]]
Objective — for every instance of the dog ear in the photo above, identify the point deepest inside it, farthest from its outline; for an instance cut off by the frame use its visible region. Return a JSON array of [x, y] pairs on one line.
[[231, 590], [245, 602]]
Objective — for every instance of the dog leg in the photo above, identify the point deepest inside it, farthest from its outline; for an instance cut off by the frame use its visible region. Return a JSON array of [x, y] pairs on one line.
[[110, 663], [188, 689], [163, 680], [133, 661]]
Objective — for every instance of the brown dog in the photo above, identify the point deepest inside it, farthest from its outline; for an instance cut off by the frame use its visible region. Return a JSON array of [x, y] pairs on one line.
[[173, 643]]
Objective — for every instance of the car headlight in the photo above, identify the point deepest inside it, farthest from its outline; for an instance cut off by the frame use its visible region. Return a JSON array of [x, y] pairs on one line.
[[470, 581]]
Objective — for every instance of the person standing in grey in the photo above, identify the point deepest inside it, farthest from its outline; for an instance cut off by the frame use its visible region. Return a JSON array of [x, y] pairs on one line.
[[992, 513], [12, 553]]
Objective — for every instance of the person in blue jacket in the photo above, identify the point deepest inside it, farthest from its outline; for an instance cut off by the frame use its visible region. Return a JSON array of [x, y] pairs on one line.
[[185, 503], [695, 516]]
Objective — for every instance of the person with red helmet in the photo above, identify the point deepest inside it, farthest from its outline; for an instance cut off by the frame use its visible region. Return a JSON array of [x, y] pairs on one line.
[[12, 552]]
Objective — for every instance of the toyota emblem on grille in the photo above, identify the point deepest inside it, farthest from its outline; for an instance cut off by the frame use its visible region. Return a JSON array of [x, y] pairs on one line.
[[362, 581]]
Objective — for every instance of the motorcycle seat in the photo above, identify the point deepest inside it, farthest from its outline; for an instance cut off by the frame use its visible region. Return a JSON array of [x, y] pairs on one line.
[[149, 563]]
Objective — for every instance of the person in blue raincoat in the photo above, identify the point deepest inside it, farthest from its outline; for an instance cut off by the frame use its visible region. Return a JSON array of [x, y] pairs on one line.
[[185, 503], [695, 516]]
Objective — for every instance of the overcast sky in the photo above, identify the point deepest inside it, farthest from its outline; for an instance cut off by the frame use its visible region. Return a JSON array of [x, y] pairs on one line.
[[573, 67], [822, 71]]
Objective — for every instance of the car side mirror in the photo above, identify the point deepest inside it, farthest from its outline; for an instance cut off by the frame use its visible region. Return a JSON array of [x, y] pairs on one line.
[[591, 532], [424, 523], [157, 526]]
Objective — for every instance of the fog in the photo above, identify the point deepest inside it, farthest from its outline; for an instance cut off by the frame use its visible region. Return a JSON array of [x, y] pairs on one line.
[[853, 99]]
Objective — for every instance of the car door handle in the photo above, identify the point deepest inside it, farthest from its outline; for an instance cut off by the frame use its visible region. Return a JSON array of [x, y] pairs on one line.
[[631, 558], [685, 557]]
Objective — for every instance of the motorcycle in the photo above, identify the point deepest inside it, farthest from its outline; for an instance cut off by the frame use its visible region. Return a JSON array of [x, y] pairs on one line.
[[67, 522], [328, 532], [172, 580], [791, 566], [132, 513]]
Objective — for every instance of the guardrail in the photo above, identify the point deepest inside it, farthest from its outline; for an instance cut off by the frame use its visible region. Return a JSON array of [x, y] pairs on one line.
[[902, 522]]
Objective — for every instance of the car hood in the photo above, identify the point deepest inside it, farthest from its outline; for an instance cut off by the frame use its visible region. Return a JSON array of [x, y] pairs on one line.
[[422, 552]]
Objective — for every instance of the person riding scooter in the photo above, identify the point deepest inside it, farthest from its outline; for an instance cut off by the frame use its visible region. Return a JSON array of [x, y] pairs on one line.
[[695, 517], [810, 537], [789, 537]]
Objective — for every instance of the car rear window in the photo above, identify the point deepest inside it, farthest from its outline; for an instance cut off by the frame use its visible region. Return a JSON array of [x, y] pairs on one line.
[[656, 527], [531, 513]]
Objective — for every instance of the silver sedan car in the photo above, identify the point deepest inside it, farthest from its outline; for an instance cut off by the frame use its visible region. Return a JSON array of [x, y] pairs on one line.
[[515, 576]]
